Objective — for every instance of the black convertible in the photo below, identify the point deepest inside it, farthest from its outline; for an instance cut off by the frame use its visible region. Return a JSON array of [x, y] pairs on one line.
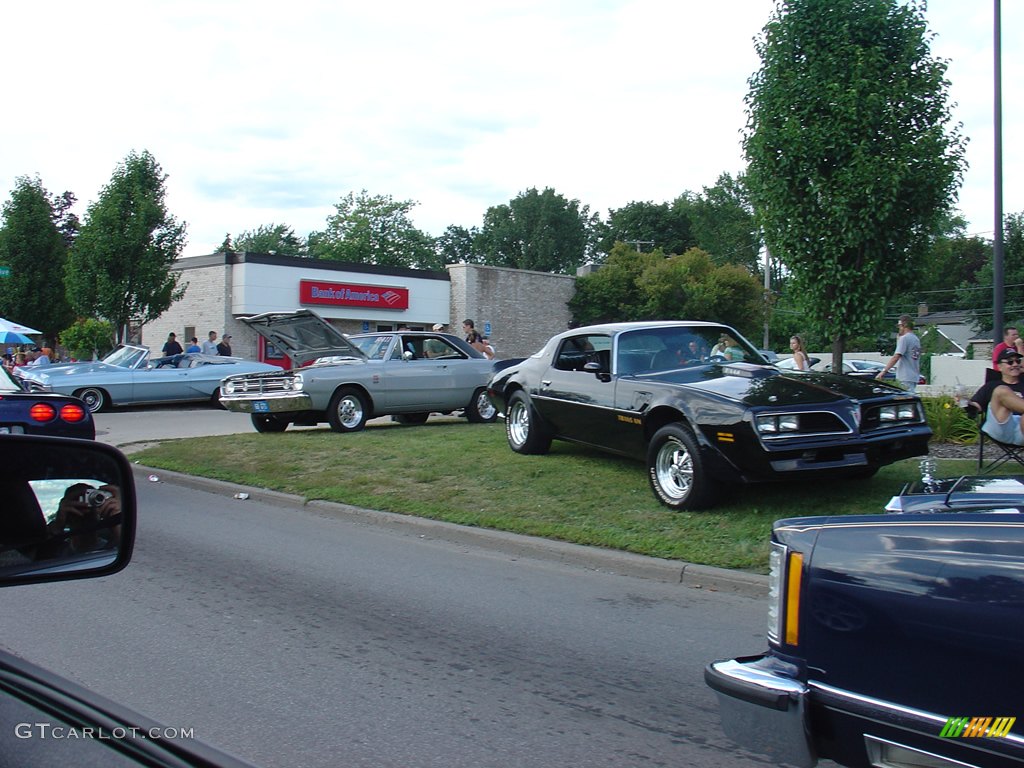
[[704, 408]]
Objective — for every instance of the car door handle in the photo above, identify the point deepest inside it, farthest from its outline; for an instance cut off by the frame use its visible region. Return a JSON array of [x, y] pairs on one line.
[[545, 382]]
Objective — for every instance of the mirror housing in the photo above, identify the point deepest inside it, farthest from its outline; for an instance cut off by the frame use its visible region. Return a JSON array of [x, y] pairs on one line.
[[67, 509]]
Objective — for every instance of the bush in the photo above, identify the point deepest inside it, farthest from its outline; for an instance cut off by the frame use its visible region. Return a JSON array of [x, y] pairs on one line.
[[948, 421], [88, 336]]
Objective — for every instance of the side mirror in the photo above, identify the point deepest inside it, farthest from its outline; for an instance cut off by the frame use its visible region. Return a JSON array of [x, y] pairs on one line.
[[407, 355], [67, 509]]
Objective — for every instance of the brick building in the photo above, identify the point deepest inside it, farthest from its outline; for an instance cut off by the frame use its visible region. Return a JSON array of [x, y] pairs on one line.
[[518, 309]]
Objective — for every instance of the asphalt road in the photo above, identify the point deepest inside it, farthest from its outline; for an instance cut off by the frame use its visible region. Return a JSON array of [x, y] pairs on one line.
[[291, 635]]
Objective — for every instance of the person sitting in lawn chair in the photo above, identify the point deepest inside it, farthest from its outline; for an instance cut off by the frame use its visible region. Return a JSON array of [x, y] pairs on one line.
[[1006, 404]]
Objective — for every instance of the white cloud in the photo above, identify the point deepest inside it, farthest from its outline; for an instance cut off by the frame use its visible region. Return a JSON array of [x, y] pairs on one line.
[[266, 112]]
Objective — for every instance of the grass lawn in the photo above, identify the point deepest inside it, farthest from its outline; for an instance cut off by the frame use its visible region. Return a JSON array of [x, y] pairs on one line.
[[465, 473]]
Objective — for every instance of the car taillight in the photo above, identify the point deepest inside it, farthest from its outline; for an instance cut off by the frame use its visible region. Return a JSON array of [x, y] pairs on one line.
[[73, 414], [42, 412]]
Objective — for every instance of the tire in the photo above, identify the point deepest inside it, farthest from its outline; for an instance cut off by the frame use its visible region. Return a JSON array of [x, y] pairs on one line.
[[523, 427], [411, 418], [95, 399], [264, 423], [676, 471], [480, 409], [348, 410], [215, 400]]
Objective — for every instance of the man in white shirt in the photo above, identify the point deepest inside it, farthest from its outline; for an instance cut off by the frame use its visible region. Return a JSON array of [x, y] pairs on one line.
[[210, 345]]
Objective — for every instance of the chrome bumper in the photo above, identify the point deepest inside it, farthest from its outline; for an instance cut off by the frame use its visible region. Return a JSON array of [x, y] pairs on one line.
[[270, 403], [762, 710]]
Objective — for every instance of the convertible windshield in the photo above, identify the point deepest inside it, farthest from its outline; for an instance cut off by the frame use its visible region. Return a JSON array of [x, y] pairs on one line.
[[662, 349], [126, 357]]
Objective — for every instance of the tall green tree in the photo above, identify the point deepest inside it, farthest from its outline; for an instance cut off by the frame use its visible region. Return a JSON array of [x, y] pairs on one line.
[[32, 247], [977, 296], [279, 239], [610, 294], [852, 159], [374, 229], [120, 268], [456, 245], [541, 231]]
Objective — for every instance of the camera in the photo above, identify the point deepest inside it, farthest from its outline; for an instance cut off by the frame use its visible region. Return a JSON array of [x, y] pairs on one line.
[[94, 497]]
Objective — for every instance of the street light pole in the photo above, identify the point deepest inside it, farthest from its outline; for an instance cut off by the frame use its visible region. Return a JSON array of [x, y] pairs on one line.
[[997, 242]]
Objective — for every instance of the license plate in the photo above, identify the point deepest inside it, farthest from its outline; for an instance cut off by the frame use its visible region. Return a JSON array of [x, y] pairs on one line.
[[260, 406]]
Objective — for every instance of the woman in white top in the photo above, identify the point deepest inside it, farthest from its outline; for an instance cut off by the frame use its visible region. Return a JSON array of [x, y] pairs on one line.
[[796, 346]]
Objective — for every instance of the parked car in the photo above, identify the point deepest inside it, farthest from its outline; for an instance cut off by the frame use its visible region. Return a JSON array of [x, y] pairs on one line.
[[702, 421], [39, 413], [789, 364], [867, 369], [129, 376], [345, 381], [69, 512], [866, 614]]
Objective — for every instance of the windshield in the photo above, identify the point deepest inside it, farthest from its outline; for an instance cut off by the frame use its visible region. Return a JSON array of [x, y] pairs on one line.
[[126, 357], [663, 349], [374, 347], [8, 384]]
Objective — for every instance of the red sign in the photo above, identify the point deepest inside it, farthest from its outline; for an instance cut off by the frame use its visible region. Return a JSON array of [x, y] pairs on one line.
[[352, 295]]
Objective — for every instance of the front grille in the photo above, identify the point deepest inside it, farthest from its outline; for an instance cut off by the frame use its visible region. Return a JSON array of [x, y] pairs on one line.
[[269, 385]]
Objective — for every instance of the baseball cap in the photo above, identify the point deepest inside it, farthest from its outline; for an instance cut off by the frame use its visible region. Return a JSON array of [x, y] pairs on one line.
[[1007, 354], [438, 326]]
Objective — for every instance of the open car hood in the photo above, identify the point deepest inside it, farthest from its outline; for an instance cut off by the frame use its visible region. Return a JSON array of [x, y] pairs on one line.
[[302, 335]]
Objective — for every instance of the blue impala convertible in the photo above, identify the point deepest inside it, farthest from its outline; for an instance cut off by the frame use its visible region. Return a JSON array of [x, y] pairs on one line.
[[129, 376]]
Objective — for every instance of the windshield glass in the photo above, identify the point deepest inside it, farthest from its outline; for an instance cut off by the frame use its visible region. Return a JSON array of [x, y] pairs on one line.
[[374, 347], [663, 349], [126, 357], [8, 384]]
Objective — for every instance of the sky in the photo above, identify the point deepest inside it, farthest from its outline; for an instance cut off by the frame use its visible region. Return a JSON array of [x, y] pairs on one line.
[[269, 113]]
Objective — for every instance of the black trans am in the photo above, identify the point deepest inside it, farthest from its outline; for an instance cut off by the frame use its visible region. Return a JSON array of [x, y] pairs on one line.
[[704, 409], [893, 639]]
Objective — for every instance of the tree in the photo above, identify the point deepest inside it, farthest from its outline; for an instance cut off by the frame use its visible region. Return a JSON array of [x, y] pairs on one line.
[[88, 338], [374, 229], [650, 286], [851, 158], [278, 239], [32, 247], [121, 266], [977, 296], [541, 231], [456, 245], [648, 226], [722, 223]]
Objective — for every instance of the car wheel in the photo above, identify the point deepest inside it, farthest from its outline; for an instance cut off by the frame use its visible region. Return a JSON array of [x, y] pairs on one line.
[[411, 418], [523, 427], [480, 409], [676, 470], [348, 410], [95, 399], [264, 423], [215, 400]]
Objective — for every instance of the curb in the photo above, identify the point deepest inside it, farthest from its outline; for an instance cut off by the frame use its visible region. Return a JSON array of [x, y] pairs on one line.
[[513, 544]]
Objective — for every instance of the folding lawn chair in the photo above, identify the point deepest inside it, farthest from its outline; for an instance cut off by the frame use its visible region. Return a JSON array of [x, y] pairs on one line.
[[1005, 452]]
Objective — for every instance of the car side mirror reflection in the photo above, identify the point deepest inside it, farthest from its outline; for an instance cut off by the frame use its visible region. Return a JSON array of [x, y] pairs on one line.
[[67, 509]]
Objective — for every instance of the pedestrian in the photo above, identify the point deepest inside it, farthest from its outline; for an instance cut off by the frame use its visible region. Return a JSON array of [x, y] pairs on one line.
[[1011, 340], [210, 345], [171, 346], [224, 348], [194, 346], [907, 357], [800, 361]]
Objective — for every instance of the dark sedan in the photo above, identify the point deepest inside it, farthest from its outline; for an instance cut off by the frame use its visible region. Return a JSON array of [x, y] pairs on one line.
[[894, 639], [703, 408], [38, 413]]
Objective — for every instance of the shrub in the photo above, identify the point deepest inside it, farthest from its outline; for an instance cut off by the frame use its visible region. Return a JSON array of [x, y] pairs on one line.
[[948, 421]]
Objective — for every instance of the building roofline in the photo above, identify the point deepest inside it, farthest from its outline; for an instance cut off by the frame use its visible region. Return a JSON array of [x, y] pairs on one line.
[[247, 257]]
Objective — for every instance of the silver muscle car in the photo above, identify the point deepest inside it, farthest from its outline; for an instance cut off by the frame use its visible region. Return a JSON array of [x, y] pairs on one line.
[[129, 376], [347, 380]]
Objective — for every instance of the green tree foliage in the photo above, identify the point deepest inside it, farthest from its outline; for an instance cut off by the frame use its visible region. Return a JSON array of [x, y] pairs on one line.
[[374, 229], [456, 245], [651, 286], [722, 222], [88, 337], [541, 231], [977, 297], [647, 226], [32, 246], [279, 239], [120, 267], [851, 159]]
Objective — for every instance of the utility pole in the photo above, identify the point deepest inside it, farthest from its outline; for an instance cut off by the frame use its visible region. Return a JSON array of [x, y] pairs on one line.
[[637, 243], [997, 242]]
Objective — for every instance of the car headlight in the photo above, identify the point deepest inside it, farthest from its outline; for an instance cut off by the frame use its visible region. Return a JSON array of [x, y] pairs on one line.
[[776, 424], [227, 387], [776, 559], [898, 412], [785, 581], [294, 384]]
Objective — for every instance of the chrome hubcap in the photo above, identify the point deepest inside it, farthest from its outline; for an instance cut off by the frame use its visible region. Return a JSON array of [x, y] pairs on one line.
[[674, 469], [519, 423], [350, 413]]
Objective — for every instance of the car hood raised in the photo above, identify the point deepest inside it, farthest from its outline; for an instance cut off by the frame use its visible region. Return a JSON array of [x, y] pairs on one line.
[[302, 335]]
